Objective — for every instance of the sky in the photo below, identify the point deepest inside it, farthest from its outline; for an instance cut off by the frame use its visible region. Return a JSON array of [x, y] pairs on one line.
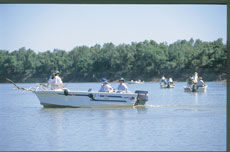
[[43, 27]]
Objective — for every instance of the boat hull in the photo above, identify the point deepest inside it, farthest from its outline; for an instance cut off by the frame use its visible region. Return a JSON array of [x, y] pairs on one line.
[[167, 86], [85, 99], [200, 89]]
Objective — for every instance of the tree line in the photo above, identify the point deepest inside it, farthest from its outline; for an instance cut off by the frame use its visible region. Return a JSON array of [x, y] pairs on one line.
[[145, 60]]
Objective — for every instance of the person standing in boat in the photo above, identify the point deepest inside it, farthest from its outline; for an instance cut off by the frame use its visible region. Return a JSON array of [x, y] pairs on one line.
[[58, 84], [195, 80], [106, 87], [122, 88]]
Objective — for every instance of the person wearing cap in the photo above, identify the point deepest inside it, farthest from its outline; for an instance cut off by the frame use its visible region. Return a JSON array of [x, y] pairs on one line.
[[105, 86], [122, 88], [58, 84]]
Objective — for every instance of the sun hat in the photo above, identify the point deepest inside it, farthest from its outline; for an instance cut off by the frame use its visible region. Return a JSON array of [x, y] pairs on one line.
[[122, 79]]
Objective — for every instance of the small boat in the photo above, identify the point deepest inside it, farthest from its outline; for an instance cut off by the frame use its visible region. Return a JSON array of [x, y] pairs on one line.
[[136, 82], [84, 99], [193, 88], [162, 85]]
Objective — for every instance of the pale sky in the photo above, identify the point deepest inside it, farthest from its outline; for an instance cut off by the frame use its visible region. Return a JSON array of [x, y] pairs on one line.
[[43, 27]]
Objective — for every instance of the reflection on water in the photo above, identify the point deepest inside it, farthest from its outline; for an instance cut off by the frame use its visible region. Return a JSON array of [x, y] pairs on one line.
[[141, 109], [172, 120], [196, 98]]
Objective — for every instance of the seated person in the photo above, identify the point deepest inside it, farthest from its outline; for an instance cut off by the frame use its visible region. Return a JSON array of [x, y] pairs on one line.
[[105, 86], [51, 82], [170, 81], [122, 88], [58, 84], [163, 80], [190, 81], [200, 82]]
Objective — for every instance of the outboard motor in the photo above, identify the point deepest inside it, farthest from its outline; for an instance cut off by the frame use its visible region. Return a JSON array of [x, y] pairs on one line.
[[142, 97]]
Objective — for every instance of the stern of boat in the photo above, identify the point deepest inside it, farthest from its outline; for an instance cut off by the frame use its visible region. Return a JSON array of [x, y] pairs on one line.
[[142, 97]]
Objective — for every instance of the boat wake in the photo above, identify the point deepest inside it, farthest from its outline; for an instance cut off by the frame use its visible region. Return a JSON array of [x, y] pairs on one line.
[[187, 106]]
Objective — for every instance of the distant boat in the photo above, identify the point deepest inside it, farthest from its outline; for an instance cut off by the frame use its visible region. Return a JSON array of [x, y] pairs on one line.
[[162, 85], [167, 86], [136, 82], [193, 88], [67, 98]]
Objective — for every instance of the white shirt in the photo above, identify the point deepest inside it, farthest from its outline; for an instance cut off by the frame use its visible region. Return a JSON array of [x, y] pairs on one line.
[[105, 88], [51, 83], [195, 78], [200, 83], [170, 80], [122, 87], [57, 82]]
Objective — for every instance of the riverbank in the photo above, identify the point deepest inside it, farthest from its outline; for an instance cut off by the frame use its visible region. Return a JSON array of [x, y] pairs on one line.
[[114, 81], [179, 77]]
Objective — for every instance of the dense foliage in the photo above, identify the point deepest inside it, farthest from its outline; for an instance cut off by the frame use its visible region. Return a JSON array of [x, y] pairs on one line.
[[145, 60]]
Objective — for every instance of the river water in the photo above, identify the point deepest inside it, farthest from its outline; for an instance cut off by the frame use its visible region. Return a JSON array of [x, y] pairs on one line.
[[172, 120]]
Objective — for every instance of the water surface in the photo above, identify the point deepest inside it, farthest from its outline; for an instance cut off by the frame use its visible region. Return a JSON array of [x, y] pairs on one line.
[[172, 120]]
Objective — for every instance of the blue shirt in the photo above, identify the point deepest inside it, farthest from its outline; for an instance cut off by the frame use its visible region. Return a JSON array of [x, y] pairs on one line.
[[122, 87]]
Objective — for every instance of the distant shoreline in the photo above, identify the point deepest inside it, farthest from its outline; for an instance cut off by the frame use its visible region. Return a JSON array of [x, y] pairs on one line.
[[145, 61], [109, 81]]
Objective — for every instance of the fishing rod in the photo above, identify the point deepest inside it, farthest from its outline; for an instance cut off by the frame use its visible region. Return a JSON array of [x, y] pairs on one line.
[[20, 88]]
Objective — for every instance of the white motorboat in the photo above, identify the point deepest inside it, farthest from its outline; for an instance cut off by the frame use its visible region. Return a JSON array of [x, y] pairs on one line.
[[67, 98], [194, 88], [136, 82], [86, 99]]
